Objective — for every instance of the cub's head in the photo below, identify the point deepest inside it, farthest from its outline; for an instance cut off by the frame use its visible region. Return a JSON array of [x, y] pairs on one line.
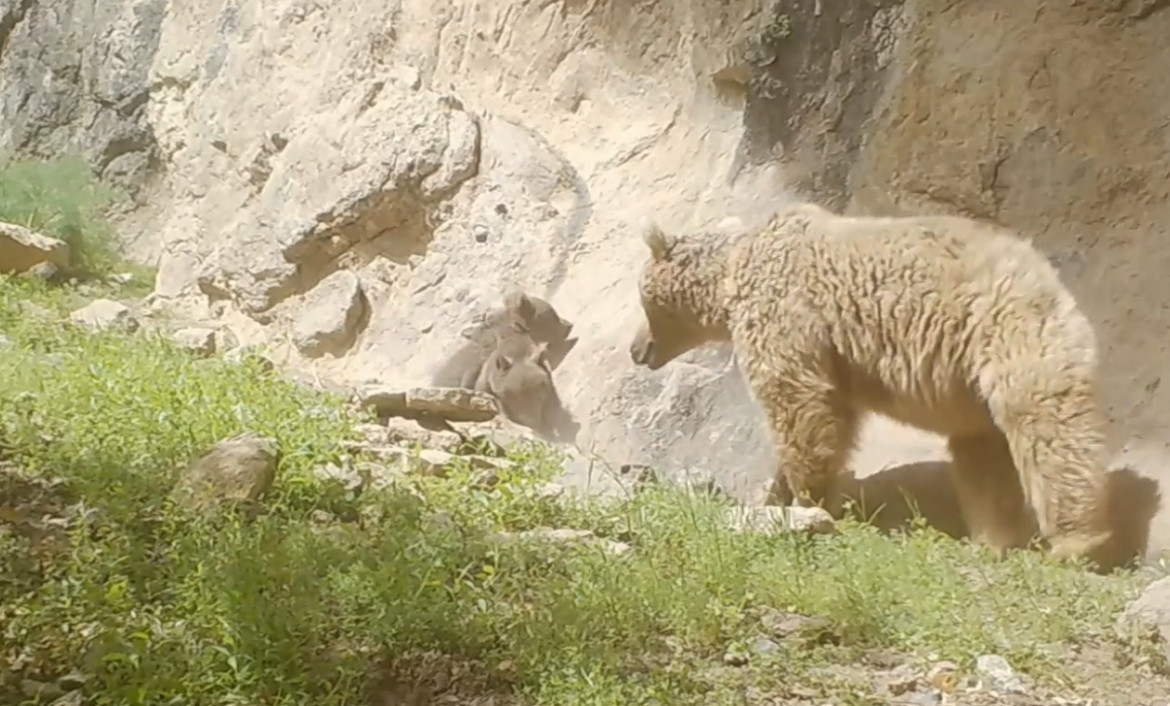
[[539, 317], [520, 377], [679, 288]]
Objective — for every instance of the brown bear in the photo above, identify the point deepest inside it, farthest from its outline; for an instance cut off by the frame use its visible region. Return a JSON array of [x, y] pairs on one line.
[[521, 313], [946, 324], [518, 374]]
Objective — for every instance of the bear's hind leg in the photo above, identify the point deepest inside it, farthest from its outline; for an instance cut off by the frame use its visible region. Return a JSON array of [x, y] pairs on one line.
[[814, 433], [1056, 438], [987, 487]]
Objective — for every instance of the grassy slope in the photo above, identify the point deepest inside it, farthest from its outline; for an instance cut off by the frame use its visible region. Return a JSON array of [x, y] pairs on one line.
[[153, 605]]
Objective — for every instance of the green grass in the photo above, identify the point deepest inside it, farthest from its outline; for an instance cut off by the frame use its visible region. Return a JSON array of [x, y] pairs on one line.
[[61, 198], [154, 605]]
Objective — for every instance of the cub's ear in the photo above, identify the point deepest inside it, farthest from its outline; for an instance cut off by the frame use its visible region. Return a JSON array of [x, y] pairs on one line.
[[658, 241], [503, 363], [517, 302]]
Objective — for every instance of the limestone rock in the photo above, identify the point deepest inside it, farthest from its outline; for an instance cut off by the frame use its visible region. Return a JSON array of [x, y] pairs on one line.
[[789, 626], [995, 674], [22, 249], [1149, 613], [773, 519], [44, 271], [330, 317], [373, 156], [239, 354], [102, 314], [943, 676], [347, 475], [200, 341], [238, 469], [567, 536], [452, 404]]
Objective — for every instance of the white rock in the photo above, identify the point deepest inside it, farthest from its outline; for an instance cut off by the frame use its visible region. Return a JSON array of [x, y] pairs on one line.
[[995, 674], [21, 249], [200, 341], [773, 519], [331, 312], [102, 314], [1150, 611]]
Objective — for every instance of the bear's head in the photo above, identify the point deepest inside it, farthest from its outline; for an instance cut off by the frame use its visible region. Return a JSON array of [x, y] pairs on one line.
[[679, 288], [520, 377], [539, 317], [540, 320]]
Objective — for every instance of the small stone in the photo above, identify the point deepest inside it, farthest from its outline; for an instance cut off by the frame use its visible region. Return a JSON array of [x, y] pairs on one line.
[[562, 534], [566, 535], [765, 647], [638, 473], [385, 402], [995, 674], [615, 548], [452, 404], [122, 278], [1149, 613], [736, 656], [35, 311], [440, 521], [901, 681], [349, 477], [932, 697], [328, 321], [243, 353], [238, 469], [72, 681], [22, 249], [550, 491], [200, 341], [407, 76], [102, 314], [771, 519], [430, 462], [373, 434], [943, 676], [788, 626], [44, 271], [41, 691]]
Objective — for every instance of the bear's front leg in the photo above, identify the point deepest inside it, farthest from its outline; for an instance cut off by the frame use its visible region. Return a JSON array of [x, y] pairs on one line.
[[815, 431]]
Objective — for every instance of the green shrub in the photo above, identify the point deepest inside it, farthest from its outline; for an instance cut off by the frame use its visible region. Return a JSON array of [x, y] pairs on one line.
[[61, 198]]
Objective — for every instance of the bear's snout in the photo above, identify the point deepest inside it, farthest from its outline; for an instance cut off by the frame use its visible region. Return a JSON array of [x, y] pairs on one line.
[[642, 351]]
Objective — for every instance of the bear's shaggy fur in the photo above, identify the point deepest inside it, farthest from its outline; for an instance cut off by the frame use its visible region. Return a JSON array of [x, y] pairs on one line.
[[943, 323]]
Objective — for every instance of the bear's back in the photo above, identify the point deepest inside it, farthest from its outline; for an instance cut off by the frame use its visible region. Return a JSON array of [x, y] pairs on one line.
[[905, 304]]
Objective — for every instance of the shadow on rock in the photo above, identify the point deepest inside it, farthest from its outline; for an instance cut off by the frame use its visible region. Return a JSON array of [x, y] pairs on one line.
[[891, 498]]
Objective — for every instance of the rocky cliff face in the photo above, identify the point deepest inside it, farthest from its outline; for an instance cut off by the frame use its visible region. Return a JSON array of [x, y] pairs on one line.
[[440, 152]]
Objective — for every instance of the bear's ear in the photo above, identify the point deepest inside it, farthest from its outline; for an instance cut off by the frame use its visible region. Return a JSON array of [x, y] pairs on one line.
[[518, 303], [658, 241], [503, 363]]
